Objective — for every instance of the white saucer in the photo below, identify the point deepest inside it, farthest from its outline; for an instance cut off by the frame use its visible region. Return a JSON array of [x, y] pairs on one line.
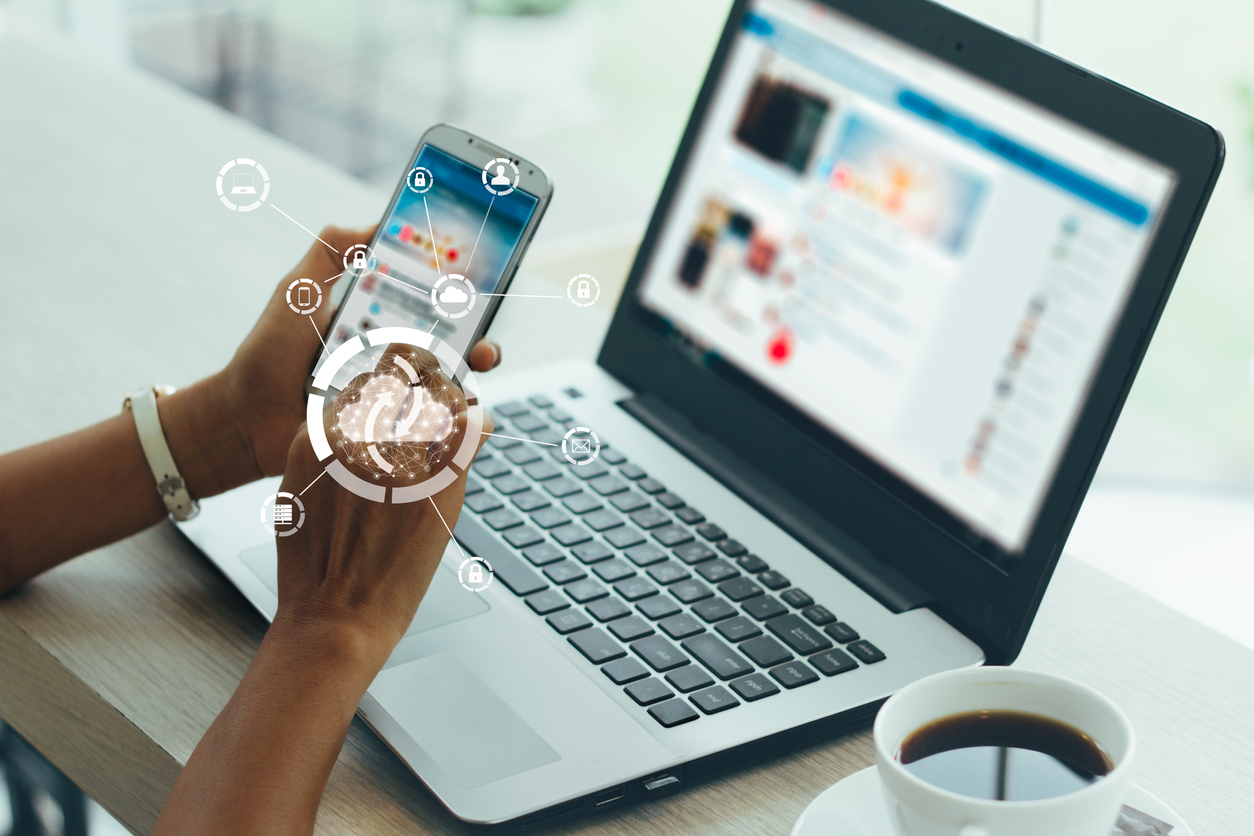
[[855, 807]]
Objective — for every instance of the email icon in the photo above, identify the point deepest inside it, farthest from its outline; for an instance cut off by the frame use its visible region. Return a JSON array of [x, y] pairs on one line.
[[581, 445]]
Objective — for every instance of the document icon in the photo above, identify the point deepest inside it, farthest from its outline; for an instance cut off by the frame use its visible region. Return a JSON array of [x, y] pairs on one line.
[[581, 445]]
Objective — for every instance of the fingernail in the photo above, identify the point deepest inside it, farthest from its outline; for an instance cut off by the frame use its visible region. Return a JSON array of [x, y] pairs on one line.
[[496, 351]]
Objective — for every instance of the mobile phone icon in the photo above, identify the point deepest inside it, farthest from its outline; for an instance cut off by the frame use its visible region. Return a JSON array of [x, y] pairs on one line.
[[302, 296]]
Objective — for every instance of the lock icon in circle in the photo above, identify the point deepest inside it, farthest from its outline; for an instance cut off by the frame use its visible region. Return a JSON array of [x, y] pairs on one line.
[[420, 179], [359, 260], [475, 576], [583, 291]]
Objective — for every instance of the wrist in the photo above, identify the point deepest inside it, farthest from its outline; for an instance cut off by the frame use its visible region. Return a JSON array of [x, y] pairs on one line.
[[354, 652], [212, 451]]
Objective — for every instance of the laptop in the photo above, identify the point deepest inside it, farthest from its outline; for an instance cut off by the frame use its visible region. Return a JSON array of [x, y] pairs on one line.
[[880, 327], [242, 184]]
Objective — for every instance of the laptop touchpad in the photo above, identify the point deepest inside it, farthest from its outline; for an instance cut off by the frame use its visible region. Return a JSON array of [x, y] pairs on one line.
[[444, 602], [460, 722]]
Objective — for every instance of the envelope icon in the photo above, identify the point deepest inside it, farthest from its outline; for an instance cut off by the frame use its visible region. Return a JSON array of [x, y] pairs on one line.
[[581, 445]]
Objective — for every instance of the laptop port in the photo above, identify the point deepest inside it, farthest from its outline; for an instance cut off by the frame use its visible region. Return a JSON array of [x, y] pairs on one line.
[[611, 795]]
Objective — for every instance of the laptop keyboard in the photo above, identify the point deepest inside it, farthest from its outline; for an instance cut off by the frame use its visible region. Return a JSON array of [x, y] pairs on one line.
[[666, 602]]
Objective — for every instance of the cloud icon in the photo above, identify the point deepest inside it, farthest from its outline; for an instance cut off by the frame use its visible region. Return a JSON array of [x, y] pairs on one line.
[[453, 295]]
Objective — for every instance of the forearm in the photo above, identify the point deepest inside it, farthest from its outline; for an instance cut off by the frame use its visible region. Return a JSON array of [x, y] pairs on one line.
[[262, 766], [81, 491]]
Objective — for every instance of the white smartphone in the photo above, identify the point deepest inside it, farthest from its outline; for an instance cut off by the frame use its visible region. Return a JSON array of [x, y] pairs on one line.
[[452, 238]]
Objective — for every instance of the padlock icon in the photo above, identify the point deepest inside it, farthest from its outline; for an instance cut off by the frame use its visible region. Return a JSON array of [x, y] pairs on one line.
[[420, 179], [583, 291], [475, 576], [359, 260]]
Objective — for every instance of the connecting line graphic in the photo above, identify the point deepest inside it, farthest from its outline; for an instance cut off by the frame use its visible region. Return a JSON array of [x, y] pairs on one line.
[[516, 438], [446, 528], [435, 250], [480, 235], [311, 484], [318, 331], [302, 226]]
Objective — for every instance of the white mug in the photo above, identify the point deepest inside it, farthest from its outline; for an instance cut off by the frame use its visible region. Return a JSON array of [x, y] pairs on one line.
[[918, 808]]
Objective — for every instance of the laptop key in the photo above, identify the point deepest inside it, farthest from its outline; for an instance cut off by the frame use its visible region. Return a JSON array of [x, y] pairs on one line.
[[632, 472], [541, 470], [689, 678], [658, 653], [511, 484], [713, 700], [596, 646], [752, 564], [529, 422], [866, 652], [764, 607], [501, 442], [842, 632], [581, 502], [589, 471], [482, 503], [630, 629], [633, 589], [668, 572], [764, 651], [691, 553], [564, 572], [710, 531], [740, 589], [716, 571], [529, 500], [592, 551], [473, 486], [628, 501], [832, 662], [773, 580], [657, 607], [796, 598], [714, 653], [645, 554], [649, 691], [690, 515], [543, 603], [517, 576], [624, 670], [561, 487], [624, 537], [568, 621], [651, 486], [613, 570], [611, 455], [490, 468], [672, 713], [540, 401], [691, 591], [548, 518], [680, 626], [670, 501], [793, 675], [561, 416], [543, 554], [522, 455], [608, 485], [602, 520], [650, 517], [671, 535], [731, 548], [523, 536], [502, 519], [797, 634], [571, 535], [819, 615], [738, 629], [585, 591], [753, 687], [714, 609], [607, 609], [546, 435], [512, 409]]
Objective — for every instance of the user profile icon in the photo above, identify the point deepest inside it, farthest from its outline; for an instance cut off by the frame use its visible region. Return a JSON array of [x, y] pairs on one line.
[[282, 514], [243, 184], [580, 446], [500, 176], [304, 296], [419, 180], [453, 296], [583, 290]]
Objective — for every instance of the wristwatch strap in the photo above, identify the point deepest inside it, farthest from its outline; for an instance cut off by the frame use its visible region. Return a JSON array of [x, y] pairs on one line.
[[170, 485]]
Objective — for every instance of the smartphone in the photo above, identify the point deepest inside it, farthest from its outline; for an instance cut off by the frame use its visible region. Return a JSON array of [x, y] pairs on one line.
[[452, 238]]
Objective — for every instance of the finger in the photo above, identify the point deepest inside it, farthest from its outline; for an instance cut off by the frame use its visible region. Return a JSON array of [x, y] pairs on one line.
[[485, 356]]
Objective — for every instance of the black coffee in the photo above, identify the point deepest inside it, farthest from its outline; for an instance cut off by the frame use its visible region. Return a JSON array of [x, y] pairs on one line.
[[1004, 755]]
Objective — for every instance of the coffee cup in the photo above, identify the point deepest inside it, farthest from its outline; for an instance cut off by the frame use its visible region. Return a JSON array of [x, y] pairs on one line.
[[936, 712]]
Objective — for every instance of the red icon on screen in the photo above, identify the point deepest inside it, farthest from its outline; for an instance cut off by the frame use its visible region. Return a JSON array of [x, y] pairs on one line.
[[779, 349]]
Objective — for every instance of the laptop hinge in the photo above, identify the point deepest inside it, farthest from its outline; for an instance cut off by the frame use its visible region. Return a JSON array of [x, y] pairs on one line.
[[882, 582]]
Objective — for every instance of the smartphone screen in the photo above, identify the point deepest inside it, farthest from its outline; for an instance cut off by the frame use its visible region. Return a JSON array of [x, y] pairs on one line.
[[456, 226]]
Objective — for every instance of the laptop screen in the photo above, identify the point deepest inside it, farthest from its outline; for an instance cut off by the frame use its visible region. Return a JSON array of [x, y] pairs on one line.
[[921, 262]]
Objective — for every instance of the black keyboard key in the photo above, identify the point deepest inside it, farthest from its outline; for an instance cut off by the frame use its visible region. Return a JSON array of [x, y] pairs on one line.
[[485, 452], [529, 422], [625, 537], [502, 519], [672, 713], [658, 607], [714, 653], [670, 501], [541, 471], [842, 632], [633, 589], [482, 503], [608, 485], [490, 468], [630, 629], [764, 607], [866, 652], [473, 486], [793, 674], [710, 531], [602, 520], [671, 535], [691, 553], [645, 554], [511, 484], [795, 598], [523, 454], [614, 570], [832, 662], [689, 678], [591, 470], [585, 591], [611, 455], [540, 401], [668, 572], [738, 629], [568, 621], [543, 603], [713, 700], [819, 614], [660, 654], [713, 609], [596, 646], [561, 416], [523, 536], [582, 502], [731, 548], [529, 500], [546, 435], [797, 634], [507, 567], [649, 691], [754, 687], [651, 486], [548, 518], [691, 591], [607, 609], [650, 517], [680, 626], [628, 501], [564, 572], [752, 564], [740, 589], [592, 551], [512, 409], [690, 515], [625, 670], [773, 580], [561, 487], [764, 651], [716, 571], [571, 535], [632, 472], [502, 442], [544, 554]]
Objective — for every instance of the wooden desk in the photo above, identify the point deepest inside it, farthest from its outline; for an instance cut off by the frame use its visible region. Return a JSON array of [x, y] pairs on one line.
[[113, 246]]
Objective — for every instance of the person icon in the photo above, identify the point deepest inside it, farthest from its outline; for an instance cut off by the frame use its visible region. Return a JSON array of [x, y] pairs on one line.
[[500, 179]]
